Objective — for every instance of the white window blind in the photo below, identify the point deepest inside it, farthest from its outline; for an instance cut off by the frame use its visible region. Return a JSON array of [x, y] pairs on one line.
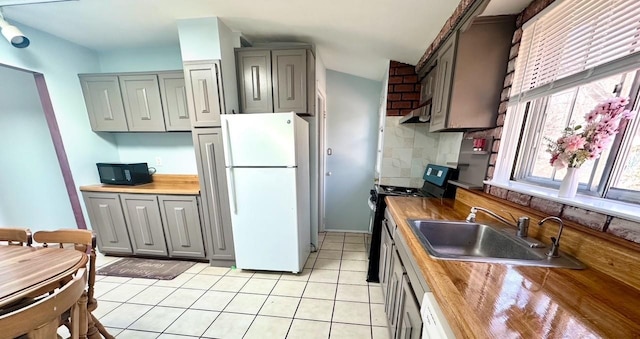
[[575, 41]]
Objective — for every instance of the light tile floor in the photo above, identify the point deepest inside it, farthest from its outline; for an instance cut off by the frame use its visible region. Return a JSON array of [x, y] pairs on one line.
[[329, 299]]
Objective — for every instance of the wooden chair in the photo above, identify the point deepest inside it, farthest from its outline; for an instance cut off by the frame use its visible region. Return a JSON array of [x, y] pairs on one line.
[[15, 236], [40, 320], [84, 241]]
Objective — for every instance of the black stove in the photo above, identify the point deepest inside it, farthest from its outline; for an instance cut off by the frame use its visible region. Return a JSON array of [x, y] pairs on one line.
[[435, 186], [395, 190]]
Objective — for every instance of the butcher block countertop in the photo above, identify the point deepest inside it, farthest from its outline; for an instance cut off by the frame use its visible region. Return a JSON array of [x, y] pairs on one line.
[[177, 184], [481, 300]]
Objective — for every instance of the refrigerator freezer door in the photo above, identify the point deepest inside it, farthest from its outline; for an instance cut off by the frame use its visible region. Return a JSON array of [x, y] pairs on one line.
[[264, 140], [265, 222]]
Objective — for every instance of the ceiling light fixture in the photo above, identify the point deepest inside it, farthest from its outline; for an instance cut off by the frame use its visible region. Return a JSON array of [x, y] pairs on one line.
[[13, 34]]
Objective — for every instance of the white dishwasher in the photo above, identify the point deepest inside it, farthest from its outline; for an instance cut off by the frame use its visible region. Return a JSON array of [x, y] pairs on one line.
[[434, 324]]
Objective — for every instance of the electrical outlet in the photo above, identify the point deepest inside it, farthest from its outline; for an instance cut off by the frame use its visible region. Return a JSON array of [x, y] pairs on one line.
[[158, 161]]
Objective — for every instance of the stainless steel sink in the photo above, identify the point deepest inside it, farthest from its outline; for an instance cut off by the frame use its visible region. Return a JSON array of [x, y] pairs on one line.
[[467, 241]]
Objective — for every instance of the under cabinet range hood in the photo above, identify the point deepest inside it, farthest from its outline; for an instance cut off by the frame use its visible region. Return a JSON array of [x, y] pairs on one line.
[[421, 114]]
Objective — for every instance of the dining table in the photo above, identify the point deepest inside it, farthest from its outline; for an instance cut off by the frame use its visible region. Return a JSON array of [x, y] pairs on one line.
[[26, 270]]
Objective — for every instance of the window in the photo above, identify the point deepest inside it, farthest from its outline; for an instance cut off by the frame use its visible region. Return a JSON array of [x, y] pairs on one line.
[[572, 56]]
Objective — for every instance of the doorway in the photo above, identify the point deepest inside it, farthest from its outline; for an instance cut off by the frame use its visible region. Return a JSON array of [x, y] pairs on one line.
[[37, 187]]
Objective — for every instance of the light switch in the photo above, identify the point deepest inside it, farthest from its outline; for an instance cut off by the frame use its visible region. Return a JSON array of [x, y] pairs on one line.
[[429, 171], [439, 173]]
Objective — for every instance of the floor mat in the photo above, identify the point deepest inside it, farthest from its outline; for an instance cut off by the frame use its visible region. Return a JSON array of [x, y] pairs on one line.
[[146, 268]]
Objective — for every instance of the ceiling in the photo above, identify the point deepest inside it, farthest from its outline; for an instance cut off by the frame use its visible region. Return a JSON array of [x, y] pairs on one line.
[[354, 36]]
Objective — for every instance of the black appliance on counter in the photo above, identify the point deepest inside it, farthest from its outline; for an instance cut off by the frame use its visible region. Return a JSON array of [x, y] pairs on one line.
[[124, 174], [435, 186]]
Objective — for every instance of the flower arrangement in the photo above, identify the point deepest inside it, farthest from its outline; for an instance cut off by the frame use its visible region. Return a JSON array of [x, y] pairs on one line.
[[579, 144]]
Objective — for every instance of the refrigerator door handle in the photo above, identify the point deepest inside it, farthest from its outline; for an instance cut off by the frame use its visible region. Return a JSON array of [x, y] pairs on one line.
[[232, 190], [226, 142]]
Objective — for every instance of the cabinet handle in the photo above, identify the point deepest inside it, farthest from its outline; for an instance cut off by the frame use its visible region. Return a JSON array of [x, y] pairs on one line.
[[107, 219], [255, 82], [181, 96], [145, 228], [143, 103], [213, 188], [108, 103], [181, 225], [290, 89], [204, 97]]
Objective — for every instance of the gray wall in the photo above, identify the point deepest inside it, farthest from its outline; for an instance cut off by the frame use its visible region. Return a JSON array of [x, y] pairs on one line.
[[352, 124], [32, 190]]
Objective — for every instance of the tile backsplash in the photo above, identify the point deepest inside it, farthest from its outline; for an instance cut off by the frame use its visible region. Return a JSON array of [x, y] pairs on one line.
[[409, 148]]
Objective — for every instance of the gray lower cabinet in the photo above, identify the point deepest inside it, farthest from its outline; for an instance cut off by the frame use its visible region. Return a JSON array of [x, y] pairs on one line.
[[142, 215], [104, 103], [205, 97], [174, 100], [142, 104], [181, 222], [254, 80], [392, 305], [409, 320], [214, 194], [107, 220], [386, 246], [400, 284]]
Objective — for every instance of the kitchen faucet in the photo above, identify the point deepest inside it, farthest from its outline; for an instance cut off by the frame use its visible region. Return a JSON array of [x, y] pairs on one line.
[[522, 224], [555, 242]]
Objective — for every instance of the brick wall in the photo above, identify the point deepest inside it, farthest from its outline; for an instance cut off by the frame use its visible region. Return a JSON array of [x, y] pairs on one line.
[[403, 94]]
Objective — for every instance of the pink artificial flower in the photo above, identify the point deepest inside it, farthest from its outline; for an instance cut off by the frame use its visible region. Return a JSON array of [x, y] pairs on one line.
[[558, 163], [591, 116], [574, 143], [628, 115]]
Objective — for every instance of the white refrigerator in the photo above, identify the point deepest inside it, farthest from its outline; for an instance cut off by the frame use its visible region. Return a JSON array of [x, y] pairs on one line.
[[267, 164]]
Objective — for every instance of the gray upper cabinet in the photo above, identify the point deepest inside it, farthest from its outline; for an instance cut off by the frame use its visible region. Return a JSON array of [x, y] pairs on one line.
[[444, 79], [470, 74], [104, 103], [214, 194], [107, 220], [254, 81], [278, 79], [289, 80], [142, 216], [142, 104], [182, 228], [205, 96], [174, 100]]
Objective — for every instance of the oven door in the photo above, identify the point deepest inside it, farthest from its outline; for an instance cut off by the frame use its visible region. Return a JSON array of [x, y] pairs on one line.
[[372, 217]]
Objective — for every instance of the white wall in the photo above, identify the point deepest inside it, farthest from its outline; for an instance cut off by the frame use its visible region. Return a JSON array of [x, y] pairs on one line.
[[152, 58], [352, 124], [175, 150], [32, 189], [60, 61]]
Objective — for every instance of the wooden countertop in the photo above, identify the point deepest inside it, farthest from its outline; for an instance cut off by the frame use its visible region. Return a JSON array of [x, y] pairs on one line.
[[483, 300], [162, 184]]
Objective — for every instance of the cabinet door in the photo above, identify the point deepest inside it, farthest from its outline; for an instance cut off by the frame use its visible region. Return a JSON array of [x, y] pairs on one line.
[[254, 81], [142, 104], [181, 222], [174, 101], [409, 323], [384, 271], [142, 214], [392, 307], [289, 80], [104, 103], [213, 188], [205, 98], [444, 82], [107, 220]]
